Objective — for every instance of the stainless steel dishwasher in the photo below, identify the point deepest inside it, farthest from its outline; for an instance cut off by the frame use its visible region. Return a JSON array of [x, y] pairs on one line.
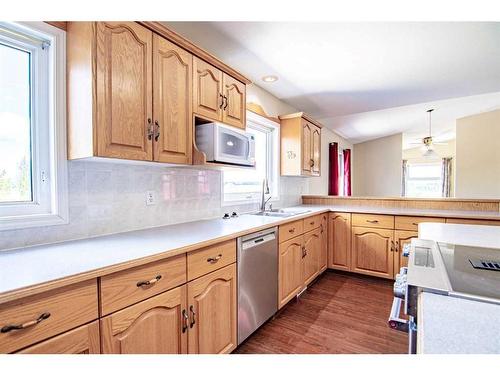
[[257, 280]]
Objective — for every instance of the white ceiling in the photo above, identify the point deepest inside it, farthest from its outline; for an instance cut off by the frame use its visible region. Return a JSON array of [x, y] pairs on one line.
[[335, 70]]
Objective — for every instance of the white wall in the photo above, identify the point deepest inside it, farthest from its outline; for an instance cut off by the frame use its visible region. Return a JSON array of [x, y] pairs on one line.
[[478, 156], [376, 167]]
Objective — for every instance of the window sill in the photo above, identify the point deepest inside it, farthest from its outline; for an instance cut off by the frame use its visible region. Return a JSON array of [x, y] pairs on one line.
[[248, 201], [32, 221]]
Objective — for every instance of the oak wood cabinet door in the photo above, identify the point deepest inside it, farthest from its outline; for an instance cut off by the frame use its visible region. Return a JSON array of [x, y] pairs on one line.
[[372, 251], [173, 100], [401, 238], [323, 257], [311, 255], [234, 109], [316, 151], [157, 325], [207, 90], [82, 340], [290, 269], [339, 243], [212, 312], [307, 161], [124, 90]]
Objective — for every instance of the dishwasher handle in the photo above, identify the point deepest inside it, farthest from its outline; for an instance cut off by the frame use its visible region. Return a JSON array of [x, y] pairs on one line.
[[258, 241]]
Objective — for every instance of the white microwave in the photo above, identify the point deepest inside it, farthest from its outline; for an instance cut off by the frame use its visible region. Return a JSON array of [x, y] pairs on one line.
[[225, 144]]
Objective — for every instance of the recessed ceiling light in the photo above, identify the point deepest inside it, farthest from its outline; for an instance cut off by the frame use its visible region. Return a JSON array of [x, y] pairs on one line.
[[269, 79]]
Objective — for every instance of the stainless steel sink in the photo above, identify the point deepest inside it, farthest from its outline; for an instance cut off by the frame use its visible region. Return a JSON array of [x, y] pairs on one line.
[[280, 213]]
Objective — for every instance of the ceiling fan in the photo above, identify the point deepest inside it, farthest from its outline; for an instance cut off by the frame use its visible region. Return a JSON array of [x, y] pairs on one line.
[[428, 142]]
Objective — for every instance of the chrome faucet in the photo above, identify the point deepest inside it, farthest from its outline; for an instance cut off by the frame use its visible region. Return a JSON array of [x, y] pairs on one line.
[[265, 190]]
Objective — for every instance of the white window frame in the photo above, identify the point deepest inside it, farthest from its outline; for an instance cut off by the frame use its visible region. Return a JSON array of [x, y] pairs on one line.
[[49, 205], [273, 158], [409, 164]]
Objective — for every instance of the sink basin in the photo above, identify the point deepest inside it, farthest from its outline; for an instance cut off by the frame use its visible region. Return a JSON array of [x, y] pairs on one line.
[[280, 213]]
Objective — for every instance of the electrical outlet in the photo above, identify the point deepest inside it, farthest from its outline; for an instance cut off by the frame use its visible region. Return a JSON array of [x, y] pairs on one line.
[[150, 198]]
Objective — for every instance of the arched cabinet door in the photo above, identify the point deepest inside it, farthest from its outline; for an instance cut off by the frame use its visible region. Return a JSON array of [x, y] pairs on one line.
[[339, 244], [173, 100], [212, 312], [234, 109], [290, 269], [154, 326], [311, 257], [316, 151], [207, 90], [373, 251], [124, 90], [307, 161]]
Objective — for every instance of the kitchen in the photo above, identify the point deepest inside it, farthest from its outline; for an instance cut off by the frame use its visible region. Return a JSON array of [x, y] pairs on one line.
[[188, 196]]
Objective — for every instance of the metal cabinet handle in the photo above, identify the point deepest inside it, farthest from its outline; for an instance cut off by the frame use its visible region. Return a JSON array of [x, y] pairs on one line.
[[392, 245], [213, 260], [321, 226], [150, 129], [291, 230], [184, 321], [372, 221], [396, 248], [227, 102], [311, 162], [157, 131], [31, 323], [304, 252], [221, 100], [148, 282], [193, 314], [415, 224]]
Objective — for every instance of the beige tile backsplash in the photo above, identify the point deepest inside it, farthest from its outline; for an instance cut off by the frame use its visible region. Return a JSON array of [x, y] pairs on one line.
[[107, 197]]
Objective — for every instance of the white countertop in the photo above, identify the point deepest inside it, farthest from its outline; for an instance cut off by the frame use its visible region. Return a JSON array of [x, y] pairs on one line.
[[449, 325], [31, 266], [22, 268], [455, 325]]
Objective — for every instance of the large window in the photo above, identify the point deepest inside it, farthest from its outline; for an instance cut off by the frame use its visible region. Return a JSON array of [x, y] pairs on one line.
[[244, 185], [423, 180], [32, 137]]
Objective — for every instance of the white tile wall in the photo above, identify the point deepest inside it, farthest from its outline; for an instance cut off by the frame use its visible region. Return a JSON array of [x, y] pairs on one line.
[[107, 197]]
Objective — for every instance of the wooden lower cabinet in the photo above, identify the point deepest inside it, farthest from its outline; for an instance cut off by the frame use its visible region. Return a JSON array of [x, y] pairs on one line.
[[339, 243], [82, 340], [212, 312], [323, 256], [372, 251], [401, 238], [311, 255], [154, 326], [289, 269]]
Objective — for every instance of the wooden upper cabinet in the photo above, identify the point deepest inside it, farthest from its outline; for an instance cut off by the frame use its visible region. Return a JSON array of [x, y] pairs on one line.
[[316, 151], [307, 131], [212, 312], [289, 269], [372, 251], [311, 255], [172, 109], [157, 325], [339, 243], [300, 145], [208, 100], [234, 109], [124, 90], [82, 340]]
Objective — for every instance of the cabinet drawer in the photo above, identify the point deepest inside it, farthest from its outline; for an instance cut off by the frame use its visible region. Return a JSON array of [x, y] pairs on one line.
[[373, 221], [210, 258], [411, 222], [312, 222], [127, 287], [46, 314], [290, 230]]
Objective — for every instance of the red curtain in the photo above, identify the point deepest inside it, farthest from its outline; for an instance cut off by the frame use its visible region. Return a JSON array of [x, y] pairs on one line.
[[333, 169], [347, 172]]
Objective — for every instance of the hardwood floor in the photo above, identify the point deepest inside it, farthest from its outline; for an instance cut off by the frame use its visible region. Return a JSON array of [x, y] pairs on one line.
[[339, 313]]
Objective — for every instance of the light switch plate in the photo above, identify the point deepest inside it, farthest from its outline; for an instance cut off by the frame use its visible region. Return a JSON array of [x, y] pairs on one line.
[[150, 198]]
